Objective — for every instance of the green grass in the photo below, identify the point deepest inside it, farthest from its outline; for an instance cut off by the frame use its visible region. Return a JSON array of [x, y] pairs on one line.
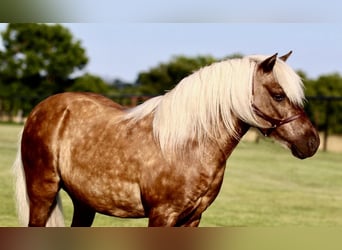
[[8, 148], [264, 185]]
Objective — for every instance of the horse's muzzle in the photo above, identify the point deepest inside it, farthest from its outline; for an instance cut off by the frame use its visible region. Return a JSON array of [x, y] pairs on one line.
[[307, 147]]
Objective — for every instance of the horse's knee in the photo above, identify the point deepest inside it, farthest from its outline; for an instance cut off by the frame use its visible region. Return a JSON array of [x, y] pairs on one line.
[[159, 218], [192, 223]]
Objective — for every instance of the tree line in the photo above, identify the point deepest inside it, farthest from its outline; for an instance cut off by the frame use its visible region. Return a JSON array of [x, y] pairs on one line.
[[39, 60]]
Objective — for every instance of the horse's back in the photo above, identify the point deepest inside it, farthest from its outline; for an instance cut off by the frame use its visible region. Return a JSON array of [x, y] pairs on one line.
[[54, 108], [60, 102]]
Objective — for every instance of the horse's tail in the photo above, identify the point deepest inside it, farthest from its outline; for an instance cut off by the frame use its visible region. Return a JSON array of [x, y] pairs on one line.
[[56, 218]]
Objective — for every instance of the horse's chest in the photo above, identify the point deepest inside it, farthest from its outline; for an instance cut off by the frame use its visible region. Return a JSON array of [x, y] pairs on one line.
[[107, 194], [214, 186]]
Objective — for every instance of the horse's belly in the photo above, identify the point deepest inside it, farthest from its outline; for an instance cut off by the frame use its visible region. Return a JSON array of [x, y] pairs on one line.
[[110, 197], [122, 202]]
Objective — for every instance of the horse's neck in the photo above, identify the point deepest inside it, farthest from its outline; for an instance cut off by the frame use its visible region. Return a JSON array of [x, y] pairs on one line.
[[224, 146], [215, 151]]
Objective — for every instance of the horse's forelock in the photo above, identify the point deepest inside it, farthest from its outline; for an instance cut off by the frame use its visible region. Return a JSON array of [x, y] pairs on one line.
[[290, 82], [287, 78]]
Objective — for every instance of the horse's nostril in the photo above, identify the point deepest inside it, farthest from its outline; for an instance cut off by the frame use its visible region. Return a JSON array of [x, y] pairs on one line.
[[312, 142]]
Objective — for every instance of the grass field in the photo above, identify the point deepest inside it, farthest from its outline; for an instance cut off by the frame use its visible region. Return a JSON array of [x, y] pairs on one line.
[[264, 185]]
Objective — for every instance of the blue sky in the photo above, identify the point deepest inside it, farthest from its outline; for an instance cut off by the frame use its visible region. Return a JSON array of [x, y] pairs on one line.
[[124, 49]]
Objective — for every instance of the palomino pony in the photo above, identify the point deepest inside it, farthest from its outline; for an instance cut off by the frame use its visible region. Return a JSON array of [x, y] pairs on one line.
[[164, 159]]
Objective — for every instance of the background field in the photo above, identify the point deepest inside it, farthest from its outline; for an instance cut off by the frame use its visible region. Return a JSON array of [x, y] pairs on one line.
[[263, 186]]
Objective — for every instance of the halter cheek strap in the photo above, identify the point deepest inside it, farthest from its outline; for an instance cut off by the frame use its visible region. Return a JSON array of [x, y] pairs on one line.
[[274, 122]]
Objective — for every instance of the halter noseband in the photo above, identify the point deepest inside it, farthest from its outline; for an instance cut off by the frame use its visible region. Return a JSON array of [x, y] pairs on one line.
[[274, 121]]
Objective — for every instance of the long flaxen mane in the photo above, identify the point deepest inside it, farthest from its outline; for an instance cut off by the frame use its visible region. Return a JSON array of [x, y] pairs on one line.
[[210, 96]]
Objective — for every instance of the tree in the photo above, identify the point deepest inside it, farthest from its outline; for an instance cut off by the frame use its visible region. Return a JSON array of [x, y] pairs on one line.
[[89, 83], [322, 110], [165, 76], [37, 61]]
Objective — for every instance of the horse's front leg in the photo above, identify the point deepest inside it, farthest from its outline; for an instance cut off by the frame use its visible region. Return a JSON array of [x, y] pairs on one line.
[[159, 217], [194, 222]]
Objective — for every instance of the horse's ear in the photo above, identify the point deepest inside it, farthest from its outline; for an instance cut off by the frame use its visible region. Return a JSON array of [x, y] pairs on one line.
[[284, 57], [268, 64]]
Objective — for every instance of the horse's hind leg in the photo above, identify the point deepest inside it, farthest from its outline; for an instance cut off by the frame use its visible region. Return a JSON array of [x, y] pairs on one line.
[[83, 215], [43, 185], [42, 201]]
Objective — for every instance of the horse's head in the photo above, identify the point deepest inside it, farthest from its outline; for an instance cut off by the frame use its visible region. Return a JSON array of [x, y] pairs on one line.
[[277, 102]]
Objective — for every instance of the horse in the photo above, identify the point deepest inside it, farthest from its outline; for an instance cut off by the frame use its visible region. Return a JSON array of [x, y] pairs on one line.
[[164, 159]]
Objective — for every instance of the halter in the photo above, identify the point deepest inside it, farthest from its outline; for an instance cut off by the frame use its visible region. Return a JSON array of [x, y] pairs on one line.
[[274, 121]]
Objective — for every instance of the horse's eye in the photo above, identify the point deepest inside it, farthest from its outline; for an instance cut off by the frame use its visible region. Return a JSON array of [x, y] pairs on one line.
[[278, 97]]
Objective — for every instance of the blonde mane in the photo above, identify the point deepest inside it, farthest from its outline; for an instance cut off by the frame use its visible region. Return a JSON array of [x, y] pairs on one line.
[[216, 94]]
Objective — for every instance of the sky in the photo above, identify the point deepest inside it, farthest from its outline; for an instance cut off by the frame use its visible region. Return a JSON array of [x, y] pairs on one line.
[[123, 50], [123, 38]]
